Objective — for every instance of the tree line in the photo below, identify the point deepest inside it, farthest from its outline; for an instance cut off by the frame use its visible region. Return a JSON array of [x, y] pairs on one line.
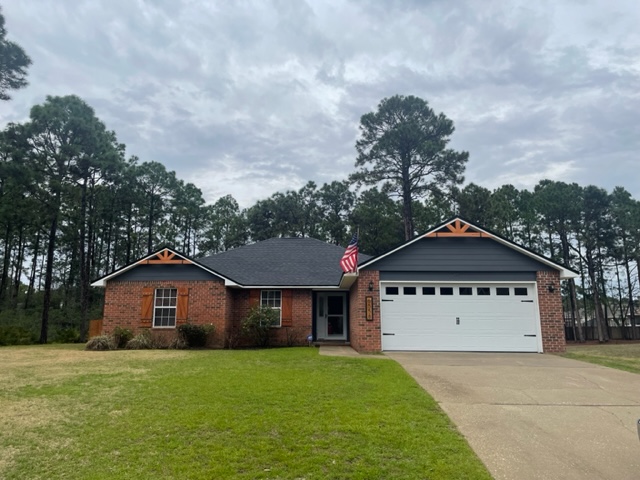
[[74, 207]]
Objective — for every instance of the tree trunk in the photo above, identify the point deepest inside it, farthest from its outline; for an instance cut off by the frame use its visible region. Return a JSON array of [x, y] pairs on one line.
[[48, 276], [632, 309], [150, 226], [602, 330], [34, 269], [604, 302], [18, 271], [584, 289], [6, 260], [623, 314], [574, 311], [578, 335], [84, 262], [407, 212]]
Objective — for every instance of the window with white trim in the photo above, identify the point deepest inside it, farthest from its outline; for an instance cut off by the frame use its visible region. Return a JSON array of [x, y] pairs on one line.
[[164, 308], [272, 299]]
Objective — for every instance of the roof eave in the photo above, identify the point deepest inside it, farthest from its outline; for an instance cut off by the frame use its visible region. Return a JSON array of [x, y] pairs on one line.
[[347, 280], [102, 282]]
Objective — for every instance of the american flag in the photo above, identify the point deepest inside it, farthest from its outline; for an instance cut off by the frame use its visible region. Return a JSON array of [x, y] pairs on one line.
[[349, 260]]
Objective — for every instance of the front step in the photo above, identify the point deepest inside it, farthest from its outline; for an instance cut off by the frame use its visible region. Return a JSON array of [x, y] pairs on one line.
[[331, 343]]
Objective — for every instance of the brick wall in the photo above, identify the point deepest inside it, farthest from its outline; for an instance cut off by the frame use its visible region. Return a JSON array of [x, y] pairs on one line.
[[551, 318], [296, 334], [207, 305], [364, 334]]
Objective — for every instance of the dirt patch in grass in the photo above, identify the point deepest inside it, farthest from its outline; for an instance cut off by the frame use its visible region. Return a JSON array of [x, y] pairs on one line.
[[6, 458], [26, 414], [55, 363]]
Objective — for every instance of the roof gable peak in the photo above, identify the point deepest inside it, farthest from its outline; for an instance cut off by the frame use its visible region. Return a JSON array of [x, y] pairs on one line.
[[457, 228], [165, 256]]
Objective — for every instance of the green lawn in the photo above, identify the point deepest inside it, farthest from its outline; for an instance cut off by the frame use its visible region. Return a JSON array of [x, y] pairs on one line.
[[270, 414], [622, 356]]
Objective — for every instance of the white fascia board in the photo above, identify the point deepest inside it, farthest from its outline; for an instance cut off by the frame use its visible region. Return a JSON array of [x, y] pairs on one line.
[[287, 287], [103, 281], [347, 280]]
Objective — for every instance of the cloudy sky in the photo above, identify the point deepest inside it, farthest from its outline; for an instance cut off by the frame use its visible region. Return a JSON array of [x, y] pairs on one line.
[[250, 97]]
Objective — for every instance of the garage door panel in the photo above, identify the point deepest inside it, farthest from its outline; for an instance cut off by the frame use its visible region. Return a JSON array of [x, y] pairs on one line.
[[460, 322]]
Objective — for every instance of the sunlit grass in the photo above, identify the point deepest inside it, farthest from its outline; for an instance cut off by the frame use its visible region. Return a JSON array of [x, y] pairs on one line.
[[270, 414]]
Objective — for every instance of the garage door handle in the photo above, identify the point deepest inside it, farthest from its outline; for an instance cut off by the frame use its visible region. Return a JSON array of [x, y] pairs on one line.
[[386, 300], [527, 301], [388, 333], [530, 335]]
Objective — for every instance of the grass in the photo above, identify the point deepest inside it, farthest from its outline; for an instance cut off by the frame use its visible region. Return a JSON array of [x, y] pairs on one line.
[[621, 356], [270, 414]]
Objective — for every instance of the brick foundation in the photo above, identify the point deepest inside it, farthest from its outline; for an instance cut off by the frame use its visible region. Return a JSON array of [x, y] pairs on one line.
[[551, 318], [365, 334]]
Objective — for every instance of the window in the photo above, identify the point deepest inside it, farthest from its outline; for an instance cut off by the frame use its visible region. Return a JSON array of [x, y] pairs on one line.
[[466, 291], [272, 299], [391, 290], [483, 291], [503, 291], [409, 290], [428, 290], [446, 290], [520, 291], [164, 310]]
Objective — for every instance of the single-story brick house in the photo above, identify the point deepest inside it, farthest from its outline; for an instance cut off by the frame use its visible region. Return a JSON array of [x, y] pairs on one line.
[[457, 287]]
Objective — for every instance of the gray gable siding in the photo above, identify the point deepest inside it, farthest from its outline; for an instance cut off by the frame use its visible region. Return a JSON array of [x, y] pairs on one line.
[[451, 254], [165, 272], [458, 276]]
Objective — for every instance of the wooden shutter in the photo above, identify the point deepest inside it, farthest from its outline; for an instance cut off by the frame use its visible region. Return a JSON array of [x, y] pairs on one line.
[[182, 308], [287, 308], [146, 316], [254, 298]]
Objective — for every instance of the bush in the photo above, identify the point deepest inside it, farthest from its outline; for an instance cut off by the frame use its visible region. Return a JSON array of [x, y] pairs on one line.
[[101, 342], [68, 335], [178, 343], [195, 336], [121, 336], [142, 341], [257, 325], [13, 335]]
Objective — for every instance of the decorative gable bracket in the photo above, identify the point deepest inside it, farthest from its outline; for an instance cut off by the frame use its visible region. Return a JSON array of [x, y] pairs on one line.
[[457, 228], [165, 257]]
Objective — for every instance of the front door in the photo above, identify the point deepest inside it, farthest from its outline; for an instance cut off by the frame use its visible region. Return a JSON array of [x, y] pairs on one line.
[[331, 316]]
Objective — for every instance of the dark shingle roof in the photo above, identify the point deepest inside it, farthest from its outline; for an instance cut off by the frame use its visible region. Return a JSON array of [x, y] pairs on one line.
[[281, 262]]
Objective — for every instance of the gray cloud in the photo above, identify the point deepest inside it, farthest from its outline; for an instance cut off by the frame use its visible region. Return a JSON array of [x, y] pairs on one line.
[[252, 97]]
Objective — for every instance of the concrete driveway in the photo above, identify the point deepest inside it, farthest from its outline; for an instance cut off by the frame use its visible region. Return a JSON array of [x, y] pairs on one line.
[[531, 416]]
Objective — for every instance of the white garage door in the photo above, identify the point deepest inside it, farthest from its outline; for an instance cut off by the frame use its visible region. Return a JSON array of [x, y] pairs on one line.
[[472, 317]]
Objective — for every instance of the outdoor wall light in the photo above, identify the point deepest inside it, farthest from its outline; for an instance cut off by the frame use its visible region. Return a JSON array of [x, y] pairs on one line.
[[551, 288], [371, 286]]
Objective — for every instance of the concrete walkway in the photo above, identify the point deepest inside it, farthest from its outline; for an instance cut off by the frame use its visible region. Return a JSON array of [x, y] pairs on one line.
[[531, 416], [345, 351]]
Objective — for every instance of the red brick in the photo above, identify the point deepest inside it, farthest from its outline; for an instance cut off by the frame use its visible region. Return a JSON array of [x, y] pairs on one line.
[[551, 317]]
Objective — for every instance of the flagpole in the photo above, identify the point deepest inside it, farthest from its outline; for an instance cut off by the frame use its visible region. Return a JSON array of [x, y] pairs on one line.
[[358, 252]]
